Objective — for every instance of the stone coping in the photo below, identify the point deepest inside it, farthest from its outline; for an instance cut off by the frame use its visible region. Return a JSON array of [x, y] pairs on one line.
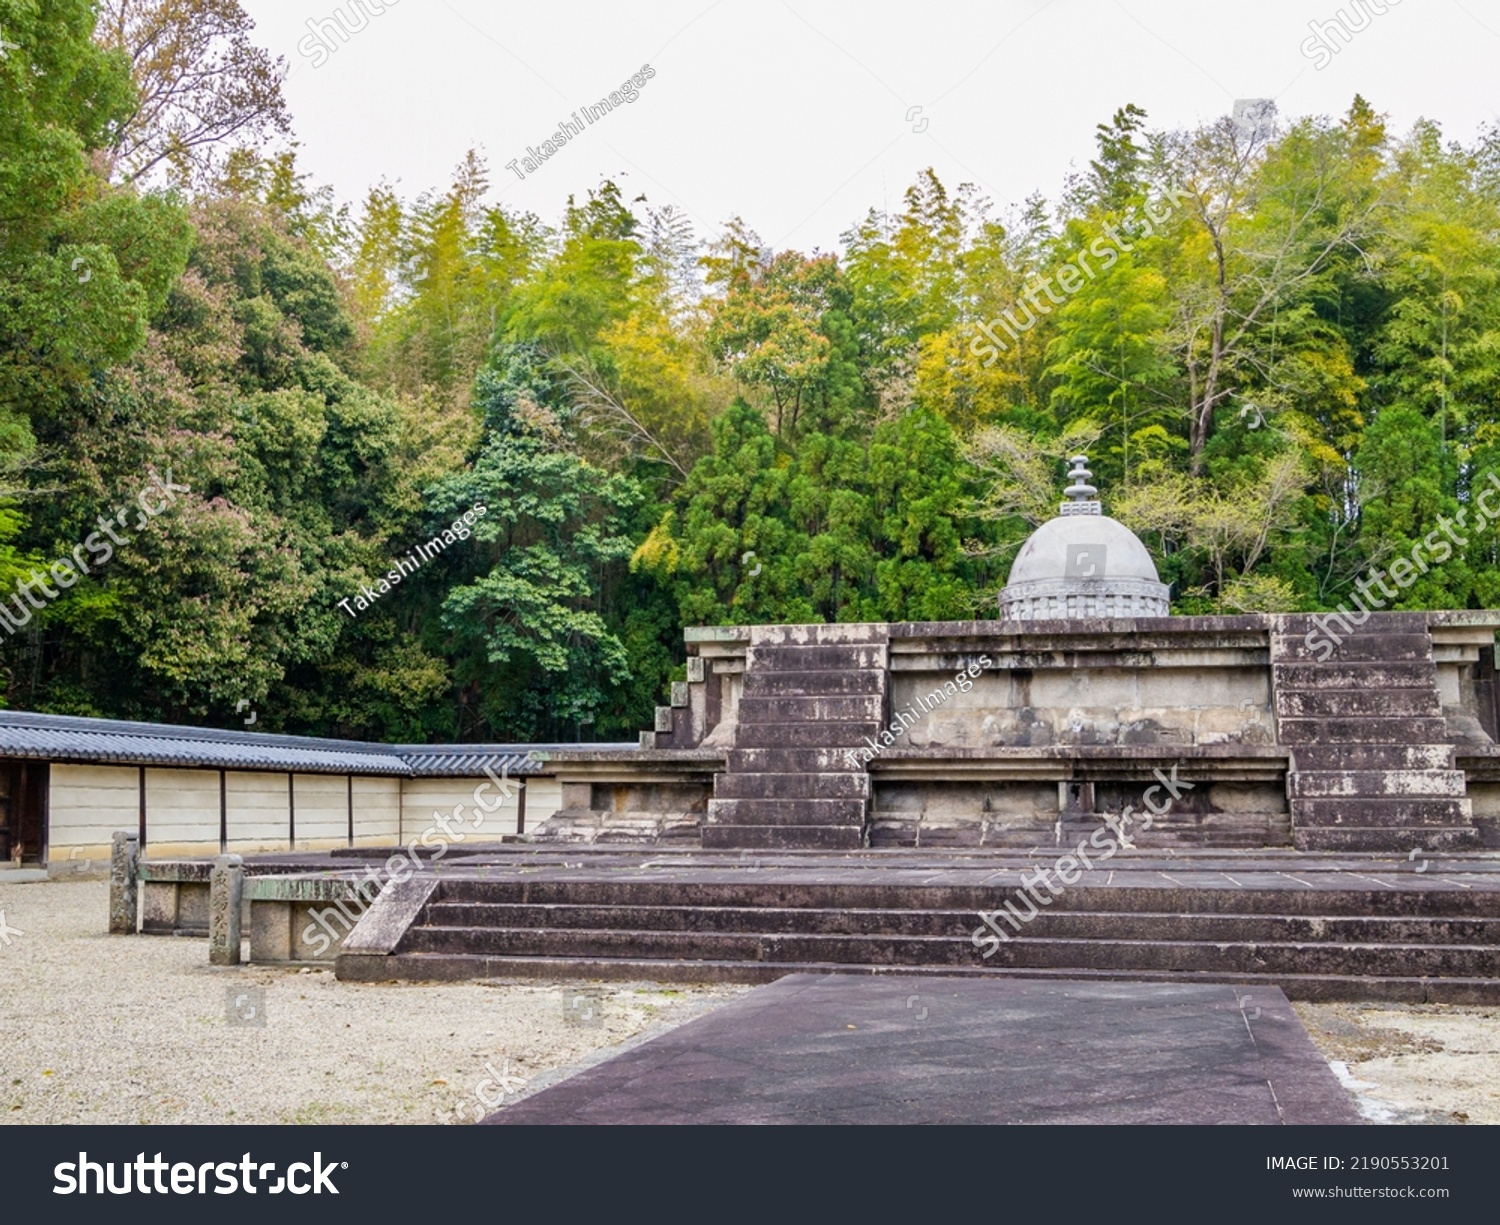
[[1260, 623], [1145, 868], [695, 760]]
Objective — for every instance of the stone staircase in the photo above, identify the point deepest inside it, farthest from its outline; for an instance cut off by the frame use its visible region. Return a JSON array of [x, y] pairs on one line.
[[810, 693], [1348, 939], [1371, 765]]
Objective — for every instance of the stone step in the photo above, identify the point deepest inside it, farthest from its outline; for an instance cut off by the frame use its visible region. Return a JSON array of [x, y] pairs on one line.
[[786, 812], [959, 924], [757, 786], [821, 658], [1377, 674], [1023, 949], [828, 683], [857, 708], [1266, 830], [1353, 837], [1374, 783], [1406, 894], [1385, 622], [439, 967], [821, 633], [1359, 647], [790, 761], [843, 734], [1373, 757], [1399, 730], [1348, 703], [784, 837], [1364, 813]]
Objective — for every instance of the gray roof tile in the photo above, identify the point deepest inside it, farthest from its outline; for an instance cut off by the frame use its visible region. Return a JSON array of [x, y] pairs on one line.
[[108, 741]]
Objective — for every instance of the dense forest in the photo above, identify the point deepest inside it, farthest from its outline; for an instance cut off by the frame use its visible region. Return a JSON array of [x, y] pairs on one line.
[[1284, 363]]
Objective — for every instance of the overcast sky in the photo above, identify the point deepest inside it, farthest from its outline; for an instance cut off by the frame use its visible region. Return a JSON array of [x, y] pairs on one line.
[[801, 116]]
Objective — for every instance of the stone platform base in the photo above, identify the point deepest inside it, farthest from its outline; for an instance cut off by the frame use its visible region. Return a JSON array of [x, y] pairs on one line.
[[1315, 925]]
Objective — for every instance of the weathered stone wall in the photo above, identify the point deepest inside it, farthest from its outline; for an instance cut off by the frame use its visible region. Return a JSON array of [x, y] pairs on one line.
[[1063, 722]]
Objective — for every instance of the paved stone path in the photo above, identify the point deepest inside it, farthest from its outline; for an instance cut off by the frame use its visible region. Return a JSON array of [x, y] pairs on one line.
[[893, 1049]]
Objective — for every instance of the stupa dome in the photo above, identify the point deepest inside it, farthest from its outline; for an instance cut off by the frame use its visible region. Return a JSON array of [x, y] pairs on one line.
[[1083, 564]]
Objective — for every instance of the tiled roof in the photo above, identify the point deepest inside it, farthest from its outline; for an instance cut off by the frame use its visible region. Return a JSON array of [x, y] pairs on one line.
[[108, 741], [466, 760]]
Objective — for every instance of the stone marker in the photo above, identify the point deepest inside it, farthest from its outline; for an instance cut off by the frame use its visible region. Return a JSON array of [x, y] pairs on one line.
[[124, 860], [226, 890]]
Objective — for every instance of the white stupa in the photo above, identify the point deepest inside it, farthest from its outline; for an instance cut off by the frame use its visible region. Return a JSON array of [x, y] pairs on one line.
[[1083, 564]]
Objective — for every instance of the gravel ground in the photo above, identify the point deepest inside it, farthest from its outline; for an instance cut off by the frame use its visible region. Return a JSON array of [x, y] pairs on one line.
[[110, 1029], [1413, 1063], [102, 1029]]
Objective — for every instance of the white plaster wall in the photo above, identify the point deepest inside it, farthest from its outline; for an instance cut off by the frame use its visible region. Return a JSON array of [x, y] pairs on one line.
[[423, 798], [87, 805]]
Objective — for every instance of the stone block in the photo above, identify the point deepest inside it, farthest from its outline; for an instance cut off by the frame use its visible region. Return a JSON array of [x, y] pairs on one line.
[[193, 906], [1347, 703], [270, 931], [1372, 783], [159, 906], [226, 899], [124, 895]]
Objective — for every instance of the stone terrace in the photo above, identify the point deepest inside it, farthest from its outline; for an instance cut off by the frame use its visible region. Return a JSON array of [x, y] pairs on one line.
[[1317, 925]]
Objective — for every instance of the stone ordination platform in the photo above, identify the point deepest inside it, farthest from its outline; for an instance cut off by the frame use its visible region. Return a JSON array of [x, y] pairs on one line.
[[1300, 731], [898, 1050], [1315, 925]]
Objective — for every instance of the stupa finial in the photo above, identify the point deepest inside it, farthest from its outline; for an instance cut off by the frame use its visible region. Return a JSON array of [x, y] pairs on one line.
[[1082, 498]]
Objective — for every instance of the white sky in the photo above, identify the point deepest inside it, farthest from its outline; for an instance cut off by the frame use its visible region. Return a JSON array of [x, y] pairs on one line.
[[794, 115]]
